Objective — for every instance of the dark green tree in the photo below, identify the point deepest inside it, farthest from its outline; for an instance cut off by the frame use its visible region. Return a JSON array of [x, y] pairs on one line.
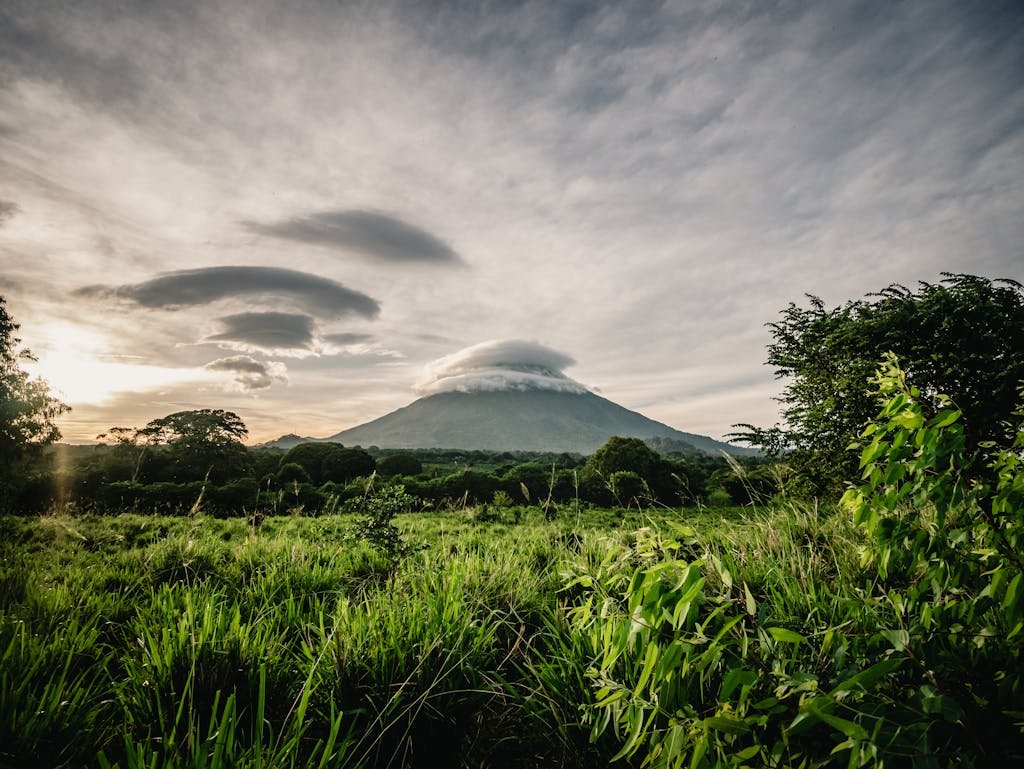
[[634, 456], [27, 412], [330, 462], [963, 336], [399, 464], [204, 443], [343, 464], [292, 472]]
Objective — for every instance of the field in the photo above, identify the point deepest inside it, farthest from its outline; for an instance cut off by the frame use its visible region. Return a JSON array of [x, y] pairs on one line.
[[500, 639]]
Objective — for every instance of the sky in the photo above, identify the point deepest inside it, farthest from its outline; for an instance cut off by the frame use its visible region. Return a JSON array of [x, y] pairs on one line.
[[311, 213]]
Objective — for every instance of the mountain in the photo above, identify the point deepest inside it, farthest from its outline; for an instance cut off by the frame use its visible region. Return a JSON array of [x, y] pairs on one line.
[[518, 420], [289, 441]]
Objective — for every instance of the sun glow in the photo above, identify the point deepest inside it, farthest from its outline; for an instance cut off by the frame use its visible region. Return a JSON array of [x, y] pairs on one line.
[[80, 368]]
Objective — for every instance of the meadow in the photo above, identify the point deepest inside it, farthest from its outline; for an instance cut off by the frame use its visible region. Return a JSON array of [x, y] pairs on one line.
[[496, 638], [884, 629]]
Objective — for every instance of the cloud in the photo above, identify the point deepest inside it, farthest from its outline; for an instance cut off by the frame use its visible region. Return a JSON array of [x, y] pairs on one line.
[[343, 339], [499, 364], [371, 232], [291, 334], [278, 332], [249, 373], [8, 209], [205, 285]]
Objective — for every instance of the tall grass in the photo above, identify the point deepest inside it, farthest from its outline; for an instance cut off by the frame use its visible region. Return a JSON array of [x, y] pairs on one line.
[[144, 641]]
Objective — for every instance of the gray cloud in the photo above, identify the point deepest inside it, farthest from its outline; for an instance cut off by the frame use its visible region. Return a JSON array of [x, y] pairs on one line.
[[371, 232], [8, 210], [185, 288], [270, 331], [499, 364], [249, 373], [345, 338]]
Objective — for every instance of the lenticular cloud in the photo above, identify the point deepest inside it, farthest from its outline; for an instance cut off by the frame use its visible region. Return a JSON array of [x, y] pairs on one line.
[[500, 364]]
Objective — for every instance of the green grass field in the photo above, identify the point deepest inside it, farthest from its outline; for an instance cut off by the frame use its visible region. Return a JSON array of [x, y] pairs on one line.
[[146, 641]]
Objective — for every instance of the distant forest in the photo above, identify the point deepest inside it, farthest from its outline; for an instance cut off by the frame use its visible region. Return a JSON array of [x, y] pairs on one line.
[[211, 470]]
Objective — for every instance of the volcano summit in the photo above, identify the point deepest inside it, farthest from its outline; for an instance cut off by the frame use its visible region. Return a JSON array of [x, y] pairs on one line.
[[513, 395]]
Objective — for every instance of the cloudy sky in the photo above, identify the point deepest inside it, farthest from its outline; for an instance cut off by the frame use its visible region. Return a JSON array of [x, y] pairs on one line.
[[290, 210]]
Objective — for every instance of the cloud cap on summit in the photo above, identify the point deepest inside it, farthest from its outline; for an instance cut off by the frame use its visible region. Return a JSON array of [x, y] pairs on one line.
[[499, 364]]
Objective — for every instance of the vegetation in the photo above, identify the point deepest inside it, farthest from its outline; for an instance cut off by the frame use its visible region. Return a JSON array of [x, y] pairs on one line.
[[141, 470], [27, 414], [790, 637], [963, 337], [471, 609]]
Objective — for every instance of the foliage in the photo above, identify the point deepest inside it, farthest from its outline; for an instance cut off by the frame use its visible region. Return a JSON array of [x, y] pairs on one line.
[[628, 488], [292, 471], [376, 527], [27, 411], [634, 456], [958, 533], [399, 464], [189, 446], [330, 462], [963, 336], [690, 668], [345, 464]]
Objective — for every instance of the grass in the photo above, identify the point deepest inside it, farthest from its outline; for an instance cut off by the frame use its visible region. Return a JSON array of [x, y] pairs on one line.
[[147, 641]]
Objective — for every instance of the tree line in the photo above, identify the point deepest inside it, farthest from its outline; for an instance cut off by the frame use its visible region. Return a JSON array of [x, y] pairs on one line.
[[962, 336], [196, 460]]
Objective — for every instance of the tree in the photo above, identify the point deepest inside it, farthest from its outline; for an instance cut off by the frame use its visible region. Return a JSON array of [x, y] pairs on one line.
[[963, 336], [27, 410], [130, 444], [200, 443], [343, 464], [634, 456], [330, 461], [399, 464]]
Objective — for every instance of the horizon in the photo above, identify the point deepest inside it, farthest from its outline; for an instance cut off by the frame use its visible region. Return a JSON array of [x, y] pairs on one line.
[[311, 215]]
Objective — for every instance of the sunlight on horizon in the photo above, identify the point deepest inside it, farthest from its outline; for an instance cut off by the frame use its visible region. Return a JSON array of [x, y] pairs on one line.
[[71, 360]]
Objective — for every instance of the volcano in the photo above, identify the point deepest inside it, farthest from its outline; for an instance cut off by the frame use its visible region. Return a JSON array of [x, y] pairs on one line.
[[519, 420], [512, 395]]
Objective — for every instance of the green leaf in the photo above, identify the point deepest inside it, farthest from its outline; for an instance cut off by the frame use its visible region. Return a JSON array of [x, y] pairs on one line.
[[785, 635], [751, 605], [1012, 592], [734, 678], [727, 724], [898, 638], [867, 678], [747, 753], [852, 730], [944, 418]]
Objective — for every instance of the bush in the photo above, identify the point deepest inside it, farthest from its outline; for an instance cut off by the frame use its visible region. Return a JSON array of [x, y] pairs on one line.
[[399, 464], [629, 488], [292, 472], [376, 526], [926, 668]]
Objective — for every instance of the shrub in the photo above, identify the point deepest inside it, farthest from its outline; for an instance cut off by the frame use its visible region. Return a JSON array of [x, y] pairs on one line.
[[292, 472], [399, 464], [376, 527]]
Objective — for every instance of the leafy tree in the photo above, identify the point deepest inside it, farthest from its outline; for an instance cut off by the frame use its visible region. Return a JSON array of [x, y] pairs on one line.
[[27, 411], [634, 456], [629, 488], [200, 443], [963, 336], [292, 472], [343, 464], [310, 456], [376, 525], [130, 445], [330, 462], [399, 464]]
